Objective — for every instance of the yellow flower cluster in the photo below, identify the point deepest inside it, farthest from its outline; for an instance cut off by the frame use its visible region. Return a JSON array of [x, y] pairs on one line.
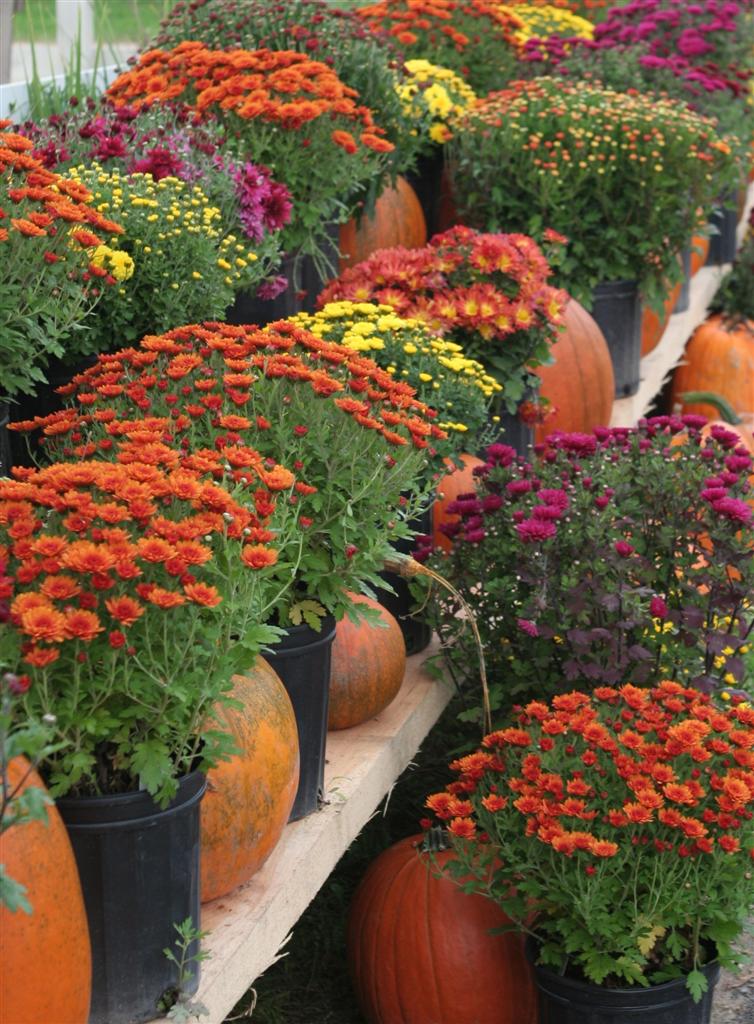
[[177, 208], [540, 22], [443, 376], [433, 96], [115, 261]]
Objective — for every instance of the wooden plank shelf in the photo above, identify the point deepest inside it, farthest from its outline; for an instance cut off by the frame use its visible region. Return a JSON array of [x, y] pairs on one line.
[[248, 928], [657, 366]]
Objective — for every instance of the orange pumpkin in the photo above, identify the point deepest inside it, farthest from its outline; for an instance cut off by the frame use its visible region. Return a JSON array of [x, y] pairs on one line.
[[367, 667], [699, 252], [421, 950], [720, 360], [45, 961], [653, 326], [397, 220], [580, 384], [249, 798], [459, 481]]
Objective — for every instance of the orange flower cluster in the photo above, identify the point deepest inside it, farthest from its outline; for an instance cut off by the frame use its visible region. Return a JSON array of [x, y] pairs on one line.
[[44, 204], [602, 774], [476, 38], [492, 285], [86, 548], [487, 292], [196, 385], [279, 87], [407, 20]]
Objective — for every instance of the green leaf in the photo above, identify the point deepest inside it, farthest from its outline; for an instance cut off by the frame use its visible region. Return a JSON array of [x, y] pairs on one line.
[[12, 893], [312, 612], [152, 762], [696, 983]]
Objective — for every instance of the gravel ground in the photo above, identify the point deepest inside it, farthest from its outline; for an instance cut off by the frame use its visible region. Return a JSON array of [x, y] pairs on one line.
[[734, 997]]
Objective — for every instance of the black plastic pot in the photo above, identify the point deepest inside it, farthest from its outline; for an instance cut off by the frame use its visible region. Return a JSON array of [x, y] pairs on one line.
[[427, 181], [300, 294], [139, 870], [416, 632], [302, 660], [565, 1000], [616, 307], [724, 223], [5, 454], [682, 302]]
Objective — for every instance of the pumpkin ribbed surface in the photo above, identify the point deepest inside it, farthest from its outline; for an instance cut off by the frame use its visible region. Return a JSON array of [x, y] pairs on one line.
[[398, 220], [249, 798], [718, 360], [580, 384], [367, 667], [459, 481], [420, 949], [45, 958]]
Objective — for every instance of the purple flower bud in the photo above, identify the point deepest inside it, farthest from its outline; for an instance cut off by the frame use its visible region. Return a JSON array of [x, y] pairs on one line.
[[657, 608], [623, 548]]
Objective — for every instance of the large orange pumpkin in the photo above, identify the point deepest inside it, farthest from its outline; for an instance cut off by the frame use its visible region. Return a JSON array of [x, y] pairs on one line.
[[367, 667], [397, 220], [719, 360], [249, 798], [45, 958], [653, 326], [580, 384], [421, 950], [459, 481]]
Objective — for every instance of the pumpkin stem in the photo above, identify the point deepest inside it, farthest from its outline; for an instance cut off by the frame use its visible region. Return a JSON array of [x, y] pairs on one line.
[[725, 410], [408, 567], [435, 840]]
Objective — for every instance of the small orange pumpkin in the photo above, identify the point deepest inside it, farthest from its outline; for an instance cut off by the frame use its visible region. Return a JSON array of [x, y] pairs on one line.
[[249, 798], [458, 481], [46, 961], [717, 359], [397, 220], [580, 384], [367, 667], [421, 951]]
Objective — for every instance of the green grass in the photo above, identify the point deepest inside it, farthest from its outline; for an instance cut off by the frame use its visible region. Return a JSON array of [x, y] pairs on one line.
[[115, 20], [311, 983]]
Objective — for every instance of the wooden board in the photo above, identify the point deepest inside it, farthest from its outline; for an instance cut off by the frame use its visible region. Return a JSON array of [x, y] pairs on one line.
[[249, 927], [657, 366]]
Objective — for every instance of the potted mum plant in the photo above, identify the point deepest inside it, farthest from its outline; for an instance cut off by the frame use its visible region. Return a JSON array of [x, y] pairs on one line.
[[615, 828], [433, 97], [618, 556], [489, 293], [311, 132], [46, 290], [287, 394], [622, 175], [442, 376], [475, 39], [133, 595], [365, 60]]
